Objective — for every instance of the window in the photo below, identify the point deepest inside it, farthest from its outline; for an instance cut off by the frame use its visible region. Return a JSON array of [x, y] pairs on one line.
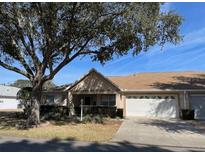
[[166, 97], [141, 97], [50, 99], [105, 100], [108, 100], [172, 97], [87, 100], [147, 97], [112, 100]]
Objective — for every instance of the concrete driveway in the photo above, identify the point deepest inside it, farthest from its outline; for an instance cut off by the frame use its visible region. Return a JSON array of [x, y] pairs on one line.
[[175, 133]]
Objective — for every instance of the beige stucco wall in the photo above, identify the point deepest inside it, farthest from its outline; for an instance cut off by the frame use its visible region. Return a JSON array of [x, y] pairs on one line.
[[119, 102], [183, 102]]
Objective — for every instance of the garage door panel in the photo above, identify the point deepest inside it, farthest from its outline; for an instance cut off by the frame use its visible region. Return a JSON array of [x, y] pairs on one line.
[[151, 106], [164, 108], [198, 104]]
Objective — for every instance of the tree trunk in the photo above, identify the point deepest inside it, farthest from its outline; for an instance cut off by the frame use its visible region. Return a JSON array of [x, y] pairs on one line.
[[34, 117]]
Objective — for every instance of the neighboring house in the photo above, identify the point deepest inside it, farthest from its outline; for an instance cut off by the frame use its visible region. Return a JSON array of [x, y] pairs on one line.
[[8, 97], [143, 94]]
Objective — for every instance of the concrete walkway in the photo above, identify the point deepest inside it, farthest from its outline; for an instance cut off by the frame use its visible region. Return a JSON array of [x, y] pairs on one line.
[[161, 133], [11, 144]]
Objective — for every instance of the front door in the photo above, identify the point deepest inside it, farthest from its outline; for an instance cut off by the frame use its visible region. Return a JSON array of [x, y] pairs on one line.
[[87, 100], [198, 104]]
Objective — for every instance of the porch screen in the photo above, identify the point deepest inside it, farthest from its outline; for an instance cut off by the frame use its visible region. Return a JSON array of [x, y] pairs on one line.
[[49, 99], [108, 100]]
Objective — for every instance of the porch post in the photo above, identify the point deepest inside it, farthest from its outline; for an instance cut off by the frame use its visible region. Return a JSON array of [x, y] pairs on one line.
[[81, 110], [71, 104]]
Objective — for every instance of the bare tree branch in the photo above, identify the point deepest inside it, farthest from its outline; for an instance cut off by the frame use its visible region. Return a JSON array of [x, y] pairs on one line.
[[22, 60], [15, 69], [32, 54], [66, 61]]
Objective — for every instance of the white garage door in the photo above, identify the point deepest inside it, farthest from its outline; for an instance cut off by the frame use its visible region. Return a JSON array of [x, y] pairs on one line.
[[198, 104], [151, 105], [8, 103]]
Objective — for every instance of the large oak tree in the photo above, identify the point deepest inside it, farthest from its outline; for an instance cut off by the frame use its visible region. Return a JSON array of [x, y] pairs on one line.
[[38, 39]]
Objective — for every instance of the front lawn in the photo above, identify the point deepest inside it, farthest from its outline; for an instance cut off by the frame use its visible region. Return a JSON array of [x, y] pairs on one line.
[[59, 129]]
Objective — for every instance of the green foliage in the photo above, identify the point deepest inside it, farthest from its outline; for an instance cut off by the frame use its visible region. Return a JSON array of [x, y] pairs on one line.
[[26, 83], [93, 118], [49, 84], [98, 119], [47, 36], [48, 112], [21, 83], [87, 118], [24, 96]]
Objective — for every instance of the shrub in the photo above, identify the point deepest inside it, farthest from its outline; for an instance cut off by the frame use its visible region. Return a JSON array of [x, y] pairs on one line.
[[98, 119], [93, 118], [87, 118], [54, 112]]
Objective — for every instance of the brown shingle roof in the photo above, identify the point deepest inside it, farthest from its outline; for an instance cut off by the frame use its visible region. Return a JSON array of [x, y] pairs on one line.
[[160, 81]]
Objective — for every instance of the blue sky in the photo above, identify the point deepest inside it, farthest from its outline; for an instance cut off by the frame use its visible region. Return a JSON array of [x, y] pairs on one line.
[[189, 55]]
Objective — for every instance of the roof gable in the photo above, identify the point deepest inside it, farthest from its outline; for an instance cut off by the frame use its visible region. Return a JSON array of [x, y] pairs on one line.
[[93, 81]]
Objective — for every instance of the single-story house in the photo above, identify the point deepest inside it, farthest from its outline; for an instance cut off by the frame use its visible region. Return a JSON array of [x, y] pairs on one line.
[[8, 99], [161, 94]]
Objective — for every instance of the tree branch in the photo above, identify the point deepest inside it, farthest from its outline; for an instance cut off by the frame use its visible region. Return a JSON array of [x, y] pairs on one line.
[[15, 69], [22, 60], [31, 53], [25, 65], [67, 60]]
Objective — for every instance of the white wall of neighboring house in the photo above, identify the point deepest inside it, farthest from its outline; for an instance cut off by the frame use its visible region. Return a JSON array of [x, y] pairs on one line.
[[8, 103], [8, 97]]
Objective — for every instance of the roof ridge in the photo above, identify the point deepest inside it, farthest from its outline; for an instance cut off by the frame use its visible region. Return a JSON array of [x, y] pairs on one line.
[[8, 86], [134, 74], [116, 76], [173, 72]]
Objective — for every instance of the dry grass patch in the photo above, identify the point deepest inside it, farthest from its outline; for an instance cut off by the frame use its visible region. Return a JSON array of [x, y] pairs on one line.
[[62, 130]]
